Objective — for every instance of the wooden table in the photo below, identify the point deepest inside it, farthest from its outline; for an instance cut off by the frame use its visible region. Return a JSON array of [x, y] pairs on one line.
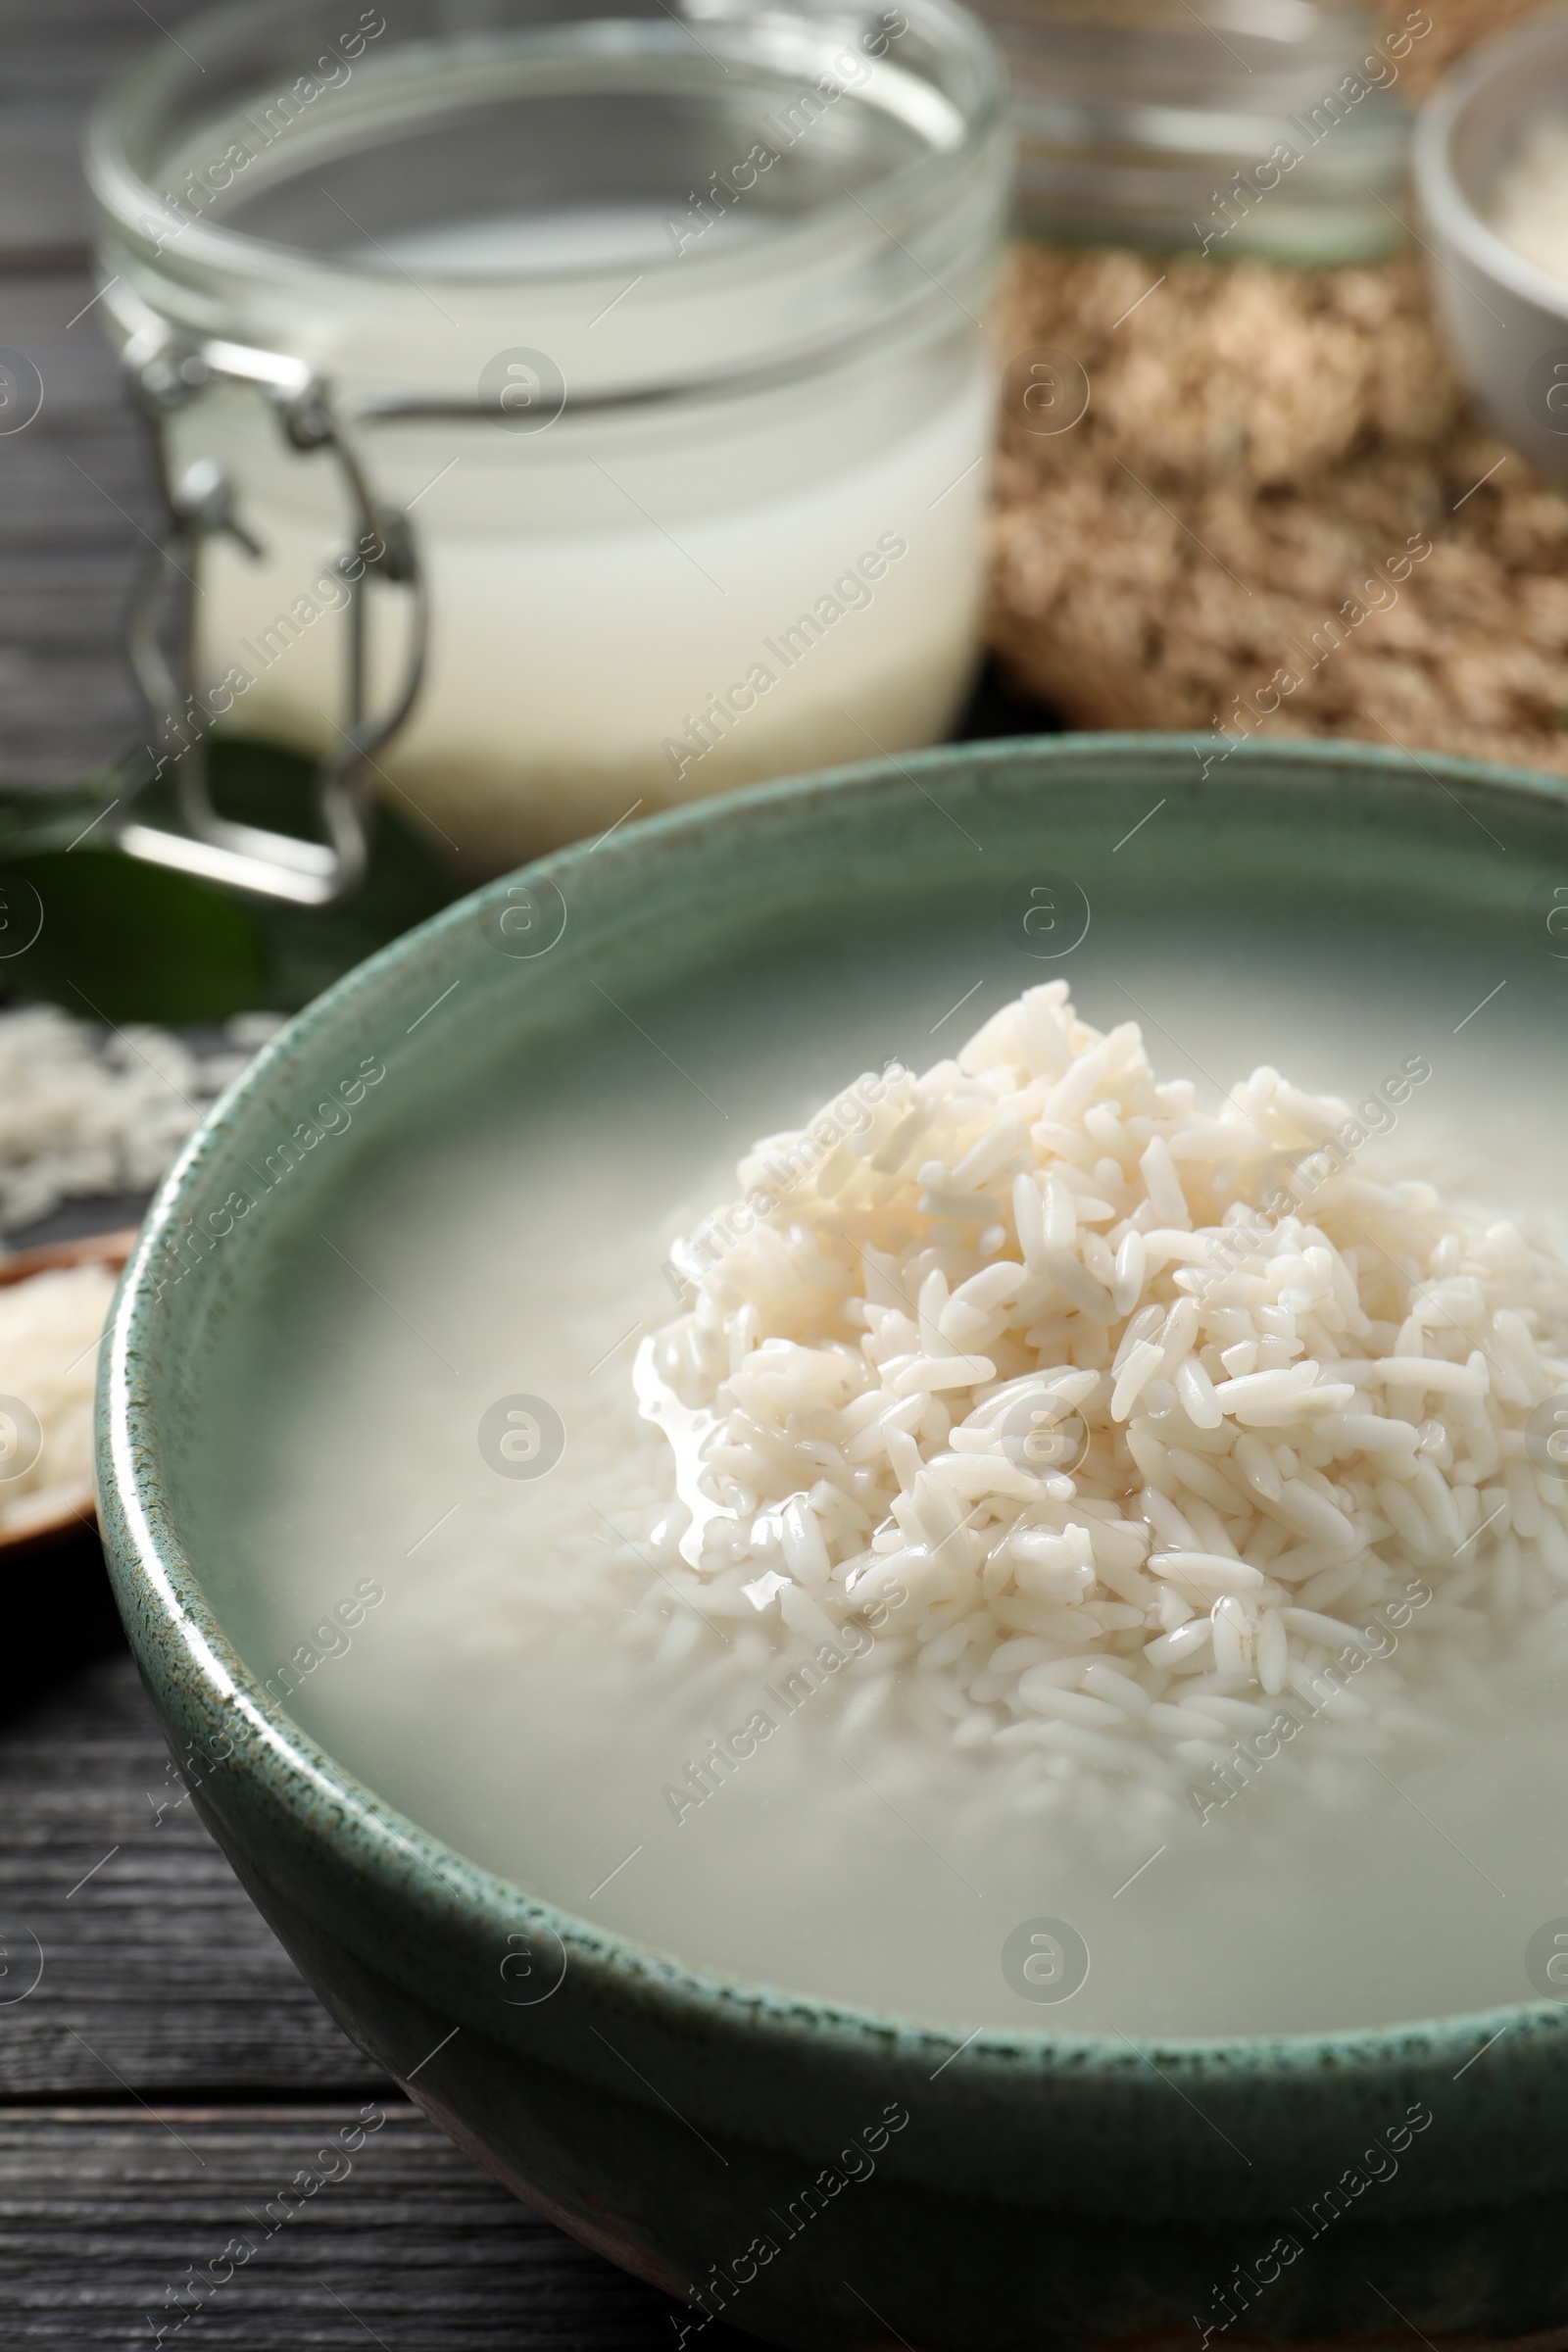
[[168, 2072]]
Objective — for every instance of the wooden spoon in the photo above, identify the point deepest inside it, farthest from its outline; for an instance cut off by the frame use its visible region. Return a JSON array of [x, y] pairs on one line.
[[110, 1250]]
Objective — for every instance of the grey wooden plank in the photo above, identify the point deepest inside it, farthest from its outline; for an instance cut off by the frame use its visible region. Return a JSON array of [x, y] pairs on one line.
[[75, 489], [62, 716], [158, 1976], [76, 503], [74, 42], [43, 204], [58, 599], [105, 2221], [56, 60], [63, 713], [54, 320]]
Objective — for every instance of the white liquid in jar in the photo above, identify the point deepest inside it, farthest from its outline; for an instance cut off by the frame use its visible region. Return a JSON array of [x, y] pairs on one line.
[[632, 612]]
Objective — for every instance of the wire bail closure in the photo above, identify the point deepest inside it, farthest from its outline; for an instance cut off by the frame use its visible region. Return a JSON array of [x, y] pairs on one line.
[[165, 373]]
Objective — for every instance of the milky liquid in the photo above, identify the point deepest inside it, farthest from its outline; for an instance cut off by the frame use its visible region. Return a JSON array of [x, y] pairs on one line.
[[581, 621], [513, 1247], [596, 585]]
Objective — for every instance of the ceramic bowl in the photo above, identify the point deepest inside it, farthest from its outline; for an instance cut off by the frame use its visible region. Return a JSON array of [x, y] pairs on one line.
[[1507, 321], [1049, 2189]]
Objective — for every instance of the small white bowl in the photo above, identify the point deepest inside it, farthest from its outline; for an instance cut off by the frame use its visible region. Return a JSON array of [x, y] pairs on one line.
[[1506, 319]]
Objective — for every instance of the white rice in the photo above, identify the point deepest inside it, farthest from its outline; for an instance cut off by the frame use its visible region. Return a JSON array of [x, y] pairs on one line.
[[1297, 1477], [83, 1111], [49, 1330]]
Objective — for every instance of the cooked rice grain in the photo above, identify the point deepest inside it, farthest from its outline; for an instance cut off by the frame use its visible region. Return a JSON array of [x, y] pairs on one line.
[[1036, 1371]]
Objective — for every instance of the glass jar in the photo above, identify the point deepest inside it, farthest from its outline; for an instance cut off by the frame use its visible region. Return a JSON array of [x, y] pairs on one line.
[[654, 332], [1264, 126]]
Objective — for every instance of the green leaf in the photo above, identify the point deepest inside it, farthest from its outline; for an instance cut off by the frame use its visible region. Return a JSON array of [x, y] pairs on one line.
[[132, 941], [135, 942]]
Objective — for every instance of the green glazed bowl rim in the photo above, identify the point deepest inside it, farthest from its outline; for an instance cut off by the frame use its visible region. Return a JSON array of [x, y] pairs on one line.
[[195, 1672]]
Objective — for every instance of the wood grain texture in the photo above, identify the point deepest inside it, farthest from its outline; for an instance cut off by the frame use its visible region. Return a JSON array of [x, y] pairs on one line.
[[113, 2226], [168, 2076], [74, 492], [158, 1976], [57, 59], [76, 500]]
